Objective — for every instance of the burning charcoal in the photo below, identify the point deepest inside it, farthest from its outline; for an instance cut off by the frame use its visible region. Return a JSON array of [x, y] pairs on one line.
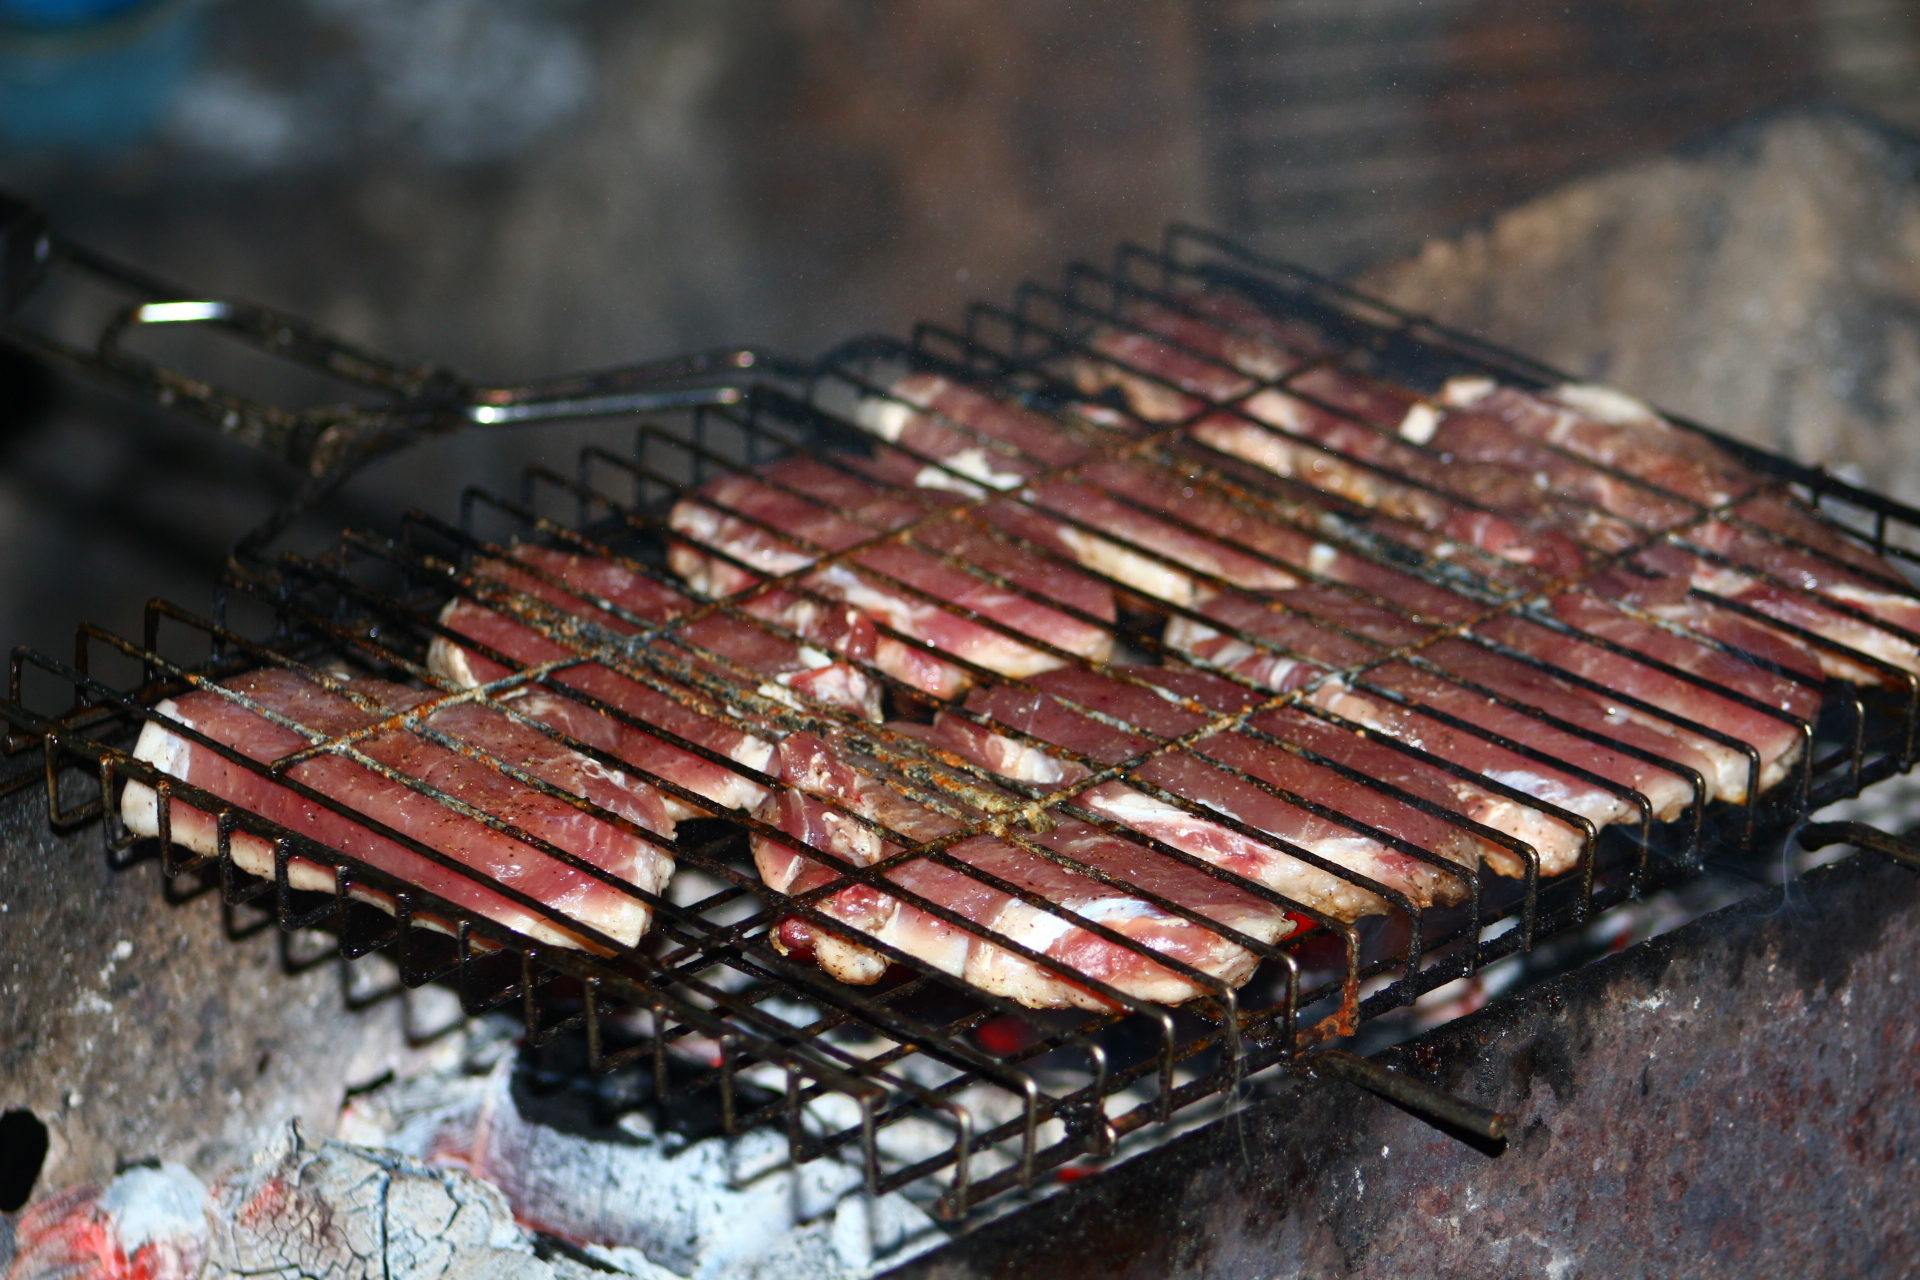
[[147, 1224], [299, 1209]]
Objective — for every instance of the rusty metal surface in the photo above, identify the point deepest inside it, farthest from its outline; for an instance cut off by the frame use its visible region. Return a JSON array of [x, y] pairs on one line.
[[133, 1027], [1735, 1098]]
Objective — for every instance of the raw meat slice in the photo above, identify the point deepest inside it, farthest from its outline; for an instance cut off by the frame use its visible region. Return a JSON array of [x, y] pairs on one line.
[[1605, 620], [728, 647], [1807, 610], [1309, 656], [1069, 513], [786, 670], [1556, 841], [1233, 330], [1613, 429], [1041, 713], [577, 899], [995, 442], [1092, 499], [815, 775], [1804, 588], [1161, 383], [1558, 540], [1724, 769], [907, 588], [1500, 430]]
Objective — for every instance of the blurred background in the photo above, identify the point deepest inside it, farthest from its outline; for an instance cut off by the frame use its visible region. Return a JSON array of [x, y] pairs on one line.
[[524, 187]]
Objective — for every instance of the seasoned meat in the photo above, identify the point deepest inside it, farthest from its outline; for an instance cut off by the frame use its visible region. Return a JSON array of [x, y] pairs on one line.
[[1048, 712], [814, 807], [486, 860], [789, 514]]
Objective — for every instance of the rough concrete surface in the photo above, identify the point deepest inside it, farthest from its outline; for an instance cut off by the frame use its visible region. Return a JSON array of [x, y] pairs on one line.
[[1736, 1098], [133, 1028], [1765, 281]]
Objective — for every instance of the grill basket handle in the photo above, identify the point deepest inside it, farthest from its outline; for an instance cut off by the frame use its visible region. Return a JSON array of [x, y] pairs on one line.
[[408, 402]]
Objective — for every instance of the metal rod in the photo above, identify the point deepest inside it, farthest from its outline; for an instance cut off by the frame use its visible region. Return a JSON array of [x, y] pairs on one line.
[[1430, 1104]]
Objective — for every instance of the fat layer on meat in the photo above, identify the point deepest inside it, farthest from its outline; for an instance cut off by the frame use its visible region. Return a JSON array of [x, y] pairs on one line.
[[1556, 478], [814, 807], [481, 854], [1048, 712], [789, 514]]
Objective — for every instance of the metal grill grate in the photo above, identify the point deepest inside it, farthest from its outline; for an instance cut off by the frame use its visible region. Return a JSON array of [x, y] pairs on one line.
[[923, 1074]]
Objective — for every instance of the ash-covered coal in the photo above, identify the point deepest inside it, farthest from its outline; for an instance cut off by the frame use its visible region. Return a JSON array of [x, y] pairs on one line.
[[589, 1161], [298, 1209], [508, 1165]]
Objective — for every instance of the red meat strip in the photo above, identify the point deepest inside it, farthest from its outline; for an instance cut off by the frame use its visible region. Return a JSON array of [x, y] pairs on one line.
[[1041, 713], [816, 776], [577, 899], [787, 672], [1311, 653], [1724, 769], [811, 504], [1069, 513], [1581, 470], [1555, 840], [1555, 539], [1615, 432], [968, 430]]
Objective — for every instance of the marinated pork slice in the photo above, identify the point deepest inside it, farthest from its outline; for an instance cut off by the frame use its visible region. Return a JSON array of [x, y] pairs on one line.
[[1508, 558], [486, 859], [1617, 456], [822, 667], [790, 513], [1232, 330], [1160, 380], [1505, 808], [1043, 713], [1595, 433], [1616, 431], [1558, 476], [950, 428], [729, 650], [1134, 523], [813, 807], [1294, 652], [1671, 725], [1555, 541], [986, 438], [1777, 738]]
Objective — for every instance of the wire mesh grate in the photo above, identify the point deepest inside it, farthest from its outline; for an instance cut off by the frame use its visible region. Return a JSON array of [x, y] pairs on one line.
[[1112, 386]]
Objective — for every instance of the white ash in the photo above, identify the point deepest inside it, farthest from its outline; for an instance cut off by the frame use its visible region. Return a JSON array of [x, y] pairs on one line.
[[652, 1203], [149, 1204], [335, 1210]]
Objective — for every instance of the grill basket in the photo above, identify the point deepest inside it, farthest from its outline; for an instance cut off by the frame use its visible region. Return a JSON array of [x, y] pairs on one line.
[[925, 1081]]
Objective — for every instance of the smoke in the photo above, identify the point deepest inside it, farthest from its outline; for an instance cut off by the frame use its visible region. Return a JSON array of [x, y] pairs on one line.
[[451, 82]]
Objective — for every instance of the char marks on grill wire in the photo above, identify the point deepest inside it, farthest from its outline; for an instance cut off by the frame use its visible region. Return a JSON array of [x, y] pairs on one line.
[[1021, 733]]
